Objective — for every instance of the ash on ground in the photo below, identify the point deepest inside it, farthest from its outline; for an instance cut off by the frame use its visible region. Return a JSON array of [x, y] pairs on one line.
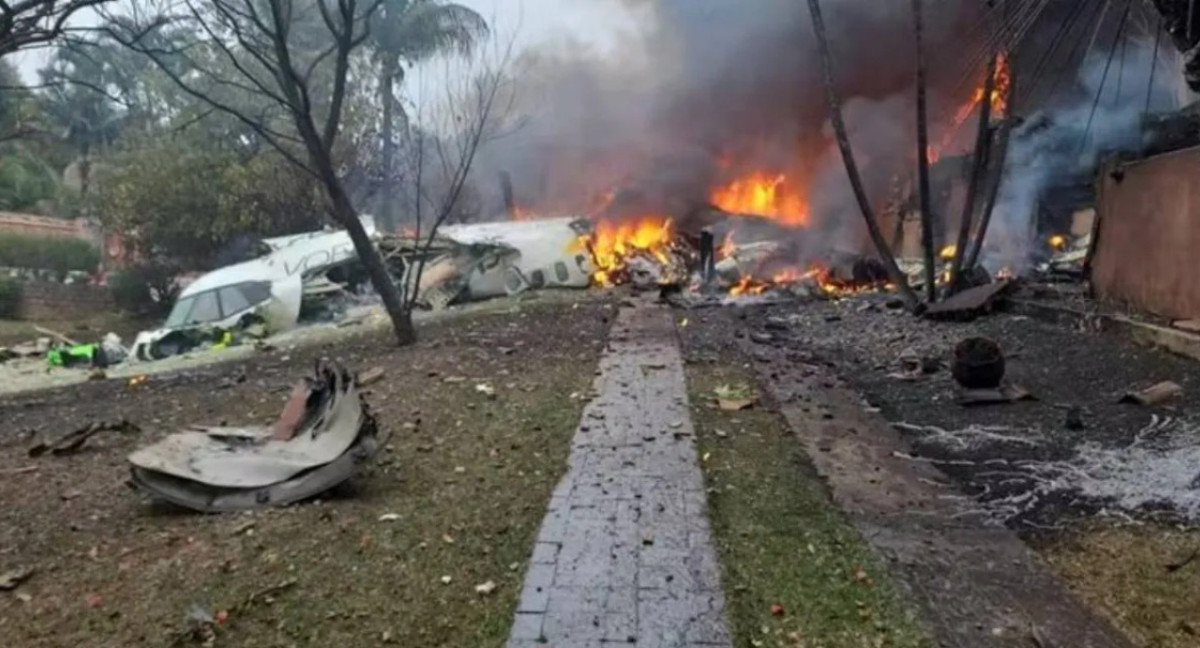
[[1074, 451]]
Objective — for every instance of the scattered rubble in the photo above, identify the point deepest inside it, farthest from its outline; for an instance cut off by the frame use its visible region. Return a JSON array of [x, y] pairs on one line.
[[215, 469], [1002, 394], [970, 303], [1153, 395]]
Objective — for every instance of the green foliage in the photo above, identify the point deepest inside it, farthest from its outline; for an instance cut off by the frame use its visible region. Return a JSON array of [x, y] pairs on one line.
[[146, 290], [57, 255], [183, 200], [25, 181], [10, 297]]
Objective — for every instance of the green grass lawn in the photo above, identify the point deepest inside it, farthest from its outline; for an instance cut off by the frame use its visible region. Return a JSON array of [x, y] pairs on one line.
[[795, 572]]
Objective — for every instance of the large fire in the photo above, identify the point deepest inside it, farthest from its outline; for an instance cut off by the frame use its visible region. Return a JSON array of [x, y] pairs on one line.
[[613, 243], [762, 194], [999, 101]]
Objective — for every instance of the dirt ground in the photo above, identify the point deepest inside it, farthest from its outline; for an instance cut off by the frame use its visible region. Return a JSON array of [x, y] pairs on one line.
[[463, 481], [32, 374]]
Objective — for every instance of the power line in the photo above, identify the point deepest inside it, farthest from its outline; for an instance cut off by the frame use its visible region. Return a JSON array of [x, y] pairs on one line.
[[1104, 78], [1153, 64]]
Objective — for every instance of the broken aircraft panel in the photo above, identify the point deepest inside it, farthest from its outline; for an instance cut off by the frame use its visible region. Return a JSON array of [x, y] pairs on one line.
[[461, 263], [229, 469]]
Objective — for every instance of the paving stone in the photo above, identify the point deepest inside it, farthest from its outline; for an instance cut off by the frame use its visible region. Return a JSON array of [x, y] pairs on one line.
[[527, 627], [545, 553], [535, 593], [624, 555]]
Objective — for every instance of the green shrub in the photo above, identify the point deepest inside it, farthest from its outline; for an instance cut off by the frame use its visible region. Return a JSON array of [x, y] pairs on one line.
[[147, 290], [57, 255], [10, 297]]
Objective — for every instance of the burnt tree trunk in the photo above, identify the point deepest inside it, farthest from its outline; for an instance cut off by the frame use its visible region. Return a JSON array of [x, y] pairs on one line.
[[843, 141], [982, 152], [996, 179], [510, 199], [923, 162]]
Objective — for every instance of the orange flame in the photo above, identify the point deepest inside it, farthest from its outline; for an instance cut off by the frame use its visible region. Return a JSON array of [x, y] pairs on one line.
[[761, 194], [612, 243], [999, 101]]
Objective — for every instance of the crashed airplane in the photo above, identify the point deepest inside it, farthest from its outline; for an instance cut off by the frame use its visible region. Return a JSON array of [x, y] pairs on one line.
[[297, 274]]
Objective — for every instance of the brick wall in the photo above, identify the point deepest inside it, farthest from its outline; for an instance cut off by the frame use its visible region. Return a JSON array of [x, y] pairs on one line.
[[49, 300]]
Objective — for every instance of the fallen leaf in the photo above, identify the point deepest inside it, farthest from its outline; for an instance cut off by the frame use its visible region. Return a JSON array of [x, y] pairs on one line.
[[705, 457], [486, 390], [448, 539], [485, 588], [446, 580], [370, 376], [776, 610], [734, 405], [735, 392], [389, 517], [244, 527]]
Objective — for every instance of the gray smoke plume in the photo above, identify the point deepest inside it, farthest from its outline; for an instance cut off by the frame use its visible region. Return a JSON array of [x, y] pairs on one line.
[[1063, 144], [712, 90]]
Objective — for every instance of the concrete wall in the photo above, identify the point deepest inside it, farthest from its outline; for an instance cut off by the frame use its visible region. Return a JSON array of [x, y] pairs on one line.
[[42, 300], [1149, 235]]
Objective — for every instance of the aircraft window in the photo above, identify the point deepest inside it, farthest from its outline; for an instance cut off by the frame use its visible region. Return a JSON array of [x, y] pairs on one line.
[[233, 301], [256, 292], [206, 309]]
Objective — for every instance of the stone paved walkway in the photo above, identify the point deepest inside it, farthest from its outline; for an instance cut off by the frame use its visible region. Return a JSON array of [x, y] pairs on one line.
[[624, 555]]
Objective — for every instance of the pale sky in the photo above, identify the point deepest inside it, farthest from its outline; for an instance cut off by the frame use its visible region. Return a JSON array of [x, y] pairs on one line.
[[529, 22]]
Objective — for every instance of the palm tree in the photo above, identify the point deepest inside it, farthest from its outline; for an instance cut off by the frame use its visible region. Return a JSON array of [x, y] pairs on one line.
[[405, 32]]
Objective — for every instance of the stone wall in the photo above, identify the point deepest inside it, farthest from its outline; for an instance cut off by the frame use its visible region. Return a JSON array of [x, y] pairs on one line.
[[55, 301]]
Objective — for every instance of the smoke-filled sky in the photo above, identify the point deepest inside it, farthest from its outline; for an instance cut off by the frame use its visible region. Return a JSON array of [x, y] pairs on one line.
[[704, 91]]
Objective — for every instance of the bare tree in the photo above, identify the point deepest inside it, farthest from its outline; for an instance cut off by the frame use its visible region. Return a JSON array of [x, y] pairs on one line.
[[839, 128], [30, 23], [441, 143], [291, 58]]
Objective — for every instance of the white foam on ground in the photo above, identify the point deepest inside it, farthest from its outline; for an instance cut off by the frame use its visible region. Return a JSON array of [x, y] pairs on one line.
[[1161, 467]]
